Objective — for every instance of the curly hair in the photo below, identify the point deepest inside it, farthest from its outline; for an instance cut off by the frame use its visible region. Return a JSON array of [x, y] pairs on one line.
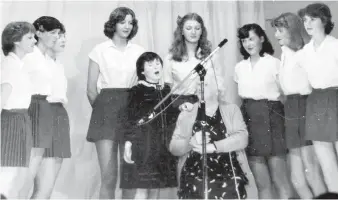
[[178, 48], [14, 32], [293, 24], [243, 33], [118, 15], [319, 10]]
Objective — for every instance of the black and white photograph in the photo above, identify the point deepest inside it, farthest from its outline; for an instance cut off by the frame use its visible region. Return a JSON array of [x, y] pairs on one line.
[[169, 99]]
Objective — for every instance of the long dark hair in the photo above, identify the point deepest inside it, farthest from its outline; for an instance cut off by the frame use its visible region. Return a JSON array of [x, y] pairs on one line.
[[243, 33]]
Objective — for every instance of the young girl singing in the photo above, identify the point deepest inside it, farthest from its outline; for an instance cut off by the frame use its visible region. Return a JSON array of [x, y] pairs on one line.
[[148, 165]]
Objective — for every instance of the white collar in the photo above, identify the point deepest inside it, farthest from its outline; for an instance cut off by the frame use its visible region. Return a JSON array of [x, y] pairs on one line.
[[148, 84], [112, 44]]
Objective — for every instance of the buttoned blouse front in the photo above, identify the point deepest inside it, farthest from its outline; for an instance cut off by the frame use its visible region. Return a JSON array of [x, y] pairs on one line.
[[117, 68], [12, 73], [293, 78], [175, 71], [59, 82], [321, 64], [258, 82], [39, 72]]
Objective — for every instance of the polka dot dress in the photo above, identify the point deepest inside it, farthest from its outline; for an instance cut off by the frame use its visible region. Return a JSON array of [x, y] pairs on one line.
[[226, 180]]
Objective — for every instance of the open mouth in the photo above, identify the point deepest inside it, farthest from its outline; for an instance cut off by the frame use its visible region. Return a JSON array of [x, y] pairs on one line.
[[157, 72]]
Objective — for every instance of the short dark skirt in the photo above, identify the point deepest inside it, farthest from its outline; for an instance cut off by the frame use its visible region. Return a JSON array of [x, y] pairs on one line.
[[40, 114], [265, 123], [61, 135], [295, 112], [322, 115], [16, 138], [107, 118]]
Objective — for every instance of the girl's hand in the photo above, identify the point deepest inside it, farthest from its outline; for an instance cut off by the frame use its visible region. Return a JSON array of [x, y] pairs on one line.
[[127, 152], [186, 107]]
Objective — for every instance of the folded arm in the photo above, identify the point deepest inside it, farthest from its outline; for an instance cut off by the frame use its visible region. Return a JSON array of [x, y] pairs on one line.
[[238, 138]]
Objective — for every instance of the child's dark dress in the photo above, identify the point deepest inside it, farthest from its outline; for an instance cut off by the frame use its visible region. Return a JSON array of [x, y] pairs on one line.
[[223, 168], [154, 166]]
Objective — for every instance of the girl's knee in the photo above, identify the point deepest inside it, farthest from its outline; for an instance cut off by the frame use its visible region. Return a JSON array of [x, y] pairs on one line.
[[109, 181], [141, 194]]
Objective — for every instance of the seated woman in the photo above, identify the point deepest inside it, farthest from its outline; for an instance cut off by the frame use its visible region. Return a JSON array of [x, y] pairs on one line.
[[228, 169], [148, 164]]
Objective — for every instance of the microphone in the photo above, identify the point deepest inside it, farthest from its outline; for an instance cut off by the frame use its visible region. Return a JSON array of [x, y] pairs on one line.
[[198, 69]]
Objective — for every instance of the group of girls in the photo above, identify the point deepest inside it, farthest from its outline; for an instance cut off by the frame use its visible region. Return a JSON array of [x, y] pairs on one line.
[[34, 123], [287, 121], [290, 106]]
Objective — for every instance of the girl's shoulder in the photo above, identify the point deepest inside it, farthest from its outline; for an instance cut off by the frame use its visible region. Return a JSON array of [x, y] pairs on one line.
[[103, 45], [169, 57], [332, 42]]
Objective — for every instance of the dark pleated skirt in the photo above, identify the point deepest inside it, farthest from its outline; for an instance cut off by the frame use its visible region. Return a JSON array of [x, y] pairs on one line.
[[40, 114], [322, 115], [61, 133], [265, 123], [295, 112], [16, 138], [107, 118]]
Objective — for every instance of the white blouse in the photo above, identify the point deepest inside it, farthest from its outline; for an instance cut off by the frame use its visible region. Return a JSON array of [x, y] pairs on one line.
[[174, 72], [321, 64], [59, 82], [293, 78], [12, 73], [39, 72], [117, 68], [258, 82]]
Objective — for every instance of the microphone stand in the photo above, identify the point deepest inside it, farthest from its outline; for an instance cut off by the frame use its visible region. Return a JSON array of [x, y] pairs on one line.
[[202, 72]]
